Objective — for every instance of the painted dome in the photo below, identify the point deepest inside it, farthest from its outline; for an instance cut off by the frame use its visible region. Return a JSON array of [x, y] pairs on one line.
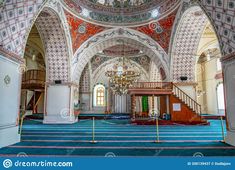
[[121, 12]]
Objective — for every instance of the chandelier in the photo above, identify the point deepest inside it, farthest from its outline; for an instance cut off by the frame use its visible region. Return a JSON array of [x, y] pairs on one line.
[[122, 76]]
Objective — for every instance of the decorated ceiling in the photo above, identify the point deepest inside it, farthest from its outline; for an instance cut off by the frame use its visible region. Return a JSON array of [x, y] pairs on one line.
[[84, 22], [121, 12], [160, 31]]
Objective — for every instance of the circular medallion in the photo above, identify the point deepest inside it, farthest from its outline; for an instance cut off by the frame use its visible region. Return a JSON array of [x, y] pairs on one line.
[[82, 29]]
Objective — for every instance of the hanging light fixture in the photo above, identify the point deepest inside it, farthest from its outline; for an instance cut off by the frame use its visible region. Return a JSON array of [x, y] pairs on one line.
[[122, 76]]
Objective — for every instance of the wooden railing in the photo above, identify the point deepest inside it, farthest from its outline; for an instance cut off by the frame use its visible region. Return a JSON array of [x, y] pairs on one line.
[[33, 79], [152, 85], [196, 107]]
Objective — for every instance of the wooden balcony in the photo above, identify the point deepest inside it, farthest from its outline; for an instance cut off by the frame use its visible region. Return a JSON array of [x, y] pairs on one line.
[[33, 80], [151, 88]]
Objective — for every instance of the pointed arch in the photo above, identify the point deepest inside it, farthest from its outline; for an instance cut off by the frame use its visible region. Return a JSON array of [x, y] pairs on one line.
[[185, 43], [53, 36], [110, 38]]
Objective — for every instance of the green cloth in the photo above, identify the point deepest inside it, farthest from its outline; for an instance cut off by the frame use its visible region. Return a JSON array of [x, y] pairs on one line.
[[145, 105]]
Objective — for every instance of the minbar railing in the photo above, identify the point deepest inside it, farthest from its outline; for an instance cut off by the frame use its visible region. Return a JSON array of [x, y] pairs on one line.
[[152, 85], [169, 86], [192, 104], [33, 79]]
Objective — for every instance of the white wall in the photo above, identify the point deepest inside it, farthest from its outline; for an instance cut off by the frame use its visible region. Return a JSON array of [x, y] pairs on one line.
[[189, 90], [229, 82], [208, 83], [121, 104], [9, 102], [59, 105], [85, 102]]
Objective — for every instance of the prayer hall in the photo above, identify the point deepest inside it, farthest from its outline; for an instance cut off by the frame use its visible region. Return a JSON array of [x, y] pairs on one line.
[[115, 78]]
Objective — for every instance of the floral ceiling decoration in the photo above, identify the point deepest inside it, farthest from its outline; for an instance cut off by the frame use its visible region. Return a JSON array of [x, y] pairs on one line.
[[80, 30], [160, 31], [125, 12]]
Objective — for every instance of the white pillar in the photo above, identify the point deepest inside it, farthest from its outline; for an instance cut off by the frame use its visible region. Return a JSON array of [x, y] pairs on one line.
[[10, 89], [229, 81], [121, 105], [59, 105], [168, 104]]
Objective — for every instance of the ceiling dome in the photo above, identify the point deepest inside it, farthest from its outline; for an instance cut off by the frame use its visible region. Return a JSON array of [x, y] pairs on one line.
[[121, 12]]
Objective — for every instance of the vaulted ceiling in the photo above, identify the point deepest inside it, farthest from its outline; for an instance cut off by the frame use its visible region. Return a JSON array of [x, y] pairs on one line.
[[157, 20], [121, 13]]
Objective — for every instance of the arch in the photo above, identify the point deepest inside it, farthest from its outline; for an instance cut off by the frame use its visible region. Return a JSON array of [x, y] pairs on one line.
[[52, 33], [16, 20], [185, 43], [222, 21], [154, 72], [85, 80], [110, 38]]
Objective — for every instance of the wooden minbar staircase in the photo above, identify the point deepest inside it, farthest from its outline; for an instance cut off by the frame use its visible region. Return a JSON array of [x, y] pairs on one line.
[[182, 107], [33, 84], [190, 109], [33, 102]]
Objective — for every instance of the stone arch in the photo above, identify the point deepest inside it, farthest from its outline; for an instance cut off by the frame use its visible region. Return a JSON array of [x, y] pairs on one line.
[[185, 44], [110, 38], [223, 22], [53, 36], [21, 17]]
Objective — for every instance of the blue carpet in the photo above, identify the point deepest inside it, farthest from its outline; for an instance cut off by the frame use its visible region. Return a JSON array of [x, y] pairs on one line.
[[119, 138]]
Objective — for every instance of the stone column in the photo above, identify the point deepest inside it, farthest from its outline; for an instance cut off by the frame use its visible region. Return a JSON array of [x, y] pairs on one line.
[[228, 63], [133, 106], [59, 104], [167, 104]]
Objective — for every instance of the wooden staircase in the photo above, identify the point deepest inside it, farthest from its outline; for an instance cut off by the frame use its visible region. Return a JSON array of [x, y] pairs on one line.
[[190, 110], [33, 102], [186, 99], [33, 81]]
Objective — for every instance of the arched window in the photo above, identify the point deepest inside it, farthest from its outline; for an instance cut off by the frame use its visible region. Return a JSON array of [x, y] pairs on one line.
[[219, 67], [220, 98], [99, 95]]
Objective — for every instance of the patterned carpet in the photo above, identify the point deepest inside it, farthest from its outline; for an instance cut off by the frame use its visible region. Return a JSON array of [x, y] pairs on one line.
[[119, 138]]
